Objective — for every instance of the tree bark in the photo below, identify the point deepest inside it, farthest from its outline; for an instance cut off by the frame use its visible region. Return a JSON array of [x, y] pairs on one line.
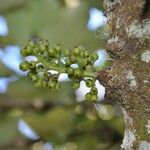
[[127, 80]]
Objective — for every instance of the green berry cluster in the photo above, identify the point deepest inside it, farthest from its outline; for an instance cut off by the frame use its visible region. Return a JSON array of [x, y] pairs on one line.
[[77, 63]]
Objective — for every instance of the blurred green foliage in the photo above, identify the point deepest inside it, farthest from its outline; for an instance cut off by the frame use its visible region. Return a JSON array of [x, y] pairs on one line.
[[47, 19], [5, 71], [6, 5]]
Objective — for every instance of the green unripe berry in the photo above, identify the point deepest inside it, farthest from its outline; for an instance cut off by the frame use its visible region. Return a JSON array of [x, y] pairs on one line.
[[40, 68], [55, 77], [30, 74], [73, 59], [50, 84], [39, 83], [77, 73], [51, 52], [31, 44], [88, 96], [86, 54], [94, 90], [26, 51], [44, 83], [91, 97], [82, 53], [35, 50], [71, 77], [94, 57], [70, 71], [76, 51], [53, 85], [58, 49], [84, 62], [32, 64], [47, 75], [23, 52], [46, 55], [89, 59], [89, 82], [34, 78], [24, 66], [42, 48], [94, 98], [33, 71], [76, 85], [66, 52], [67, 62], [57, 87], [44, 43]]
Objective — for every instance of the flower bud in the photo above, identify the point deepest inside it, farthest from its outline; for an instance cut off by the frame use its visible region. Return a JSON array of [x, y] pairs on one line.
[[70, 71], [77, 73], [94, 57], [89, 82], [66, 52], [26, 51], [58, 49], [67, 62], [84, 62], [57, 87], [88, 96], [34, 78], [94, 98], [76, 85], [39, 83], [94, 90], [32, 64], [40, 68], [51, 52], [76, 51], [73, 59], [24, 66]]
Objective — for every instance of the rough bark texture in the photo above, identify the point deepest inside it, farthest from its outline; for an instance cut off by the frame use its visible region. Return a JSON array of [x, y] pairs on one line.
[[128, 79]]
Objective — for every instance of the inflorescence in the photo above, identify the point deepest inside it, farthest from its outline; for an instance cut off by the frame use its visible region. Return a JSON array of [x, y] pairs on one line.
[[62, 61]]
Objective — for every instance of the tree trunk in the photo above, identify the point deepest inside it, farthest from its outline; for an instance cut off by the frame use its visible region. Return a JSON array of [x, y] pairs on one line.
[[128, 78]]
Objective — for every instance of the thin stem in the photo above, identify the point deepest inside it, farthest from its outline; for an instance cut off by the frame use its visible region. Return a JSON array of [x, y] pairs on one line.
[[51, 66], [62, 69], [89, 74]]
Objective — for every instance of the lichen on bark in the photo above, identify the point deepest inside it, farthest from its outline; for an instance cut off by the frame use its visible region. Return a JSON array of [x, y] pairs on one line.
[[128, 79]]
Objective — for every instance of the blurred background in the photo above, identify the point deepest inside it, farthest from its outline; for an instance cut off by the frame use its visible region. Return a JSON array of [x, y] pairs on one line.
[[38, 119]]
